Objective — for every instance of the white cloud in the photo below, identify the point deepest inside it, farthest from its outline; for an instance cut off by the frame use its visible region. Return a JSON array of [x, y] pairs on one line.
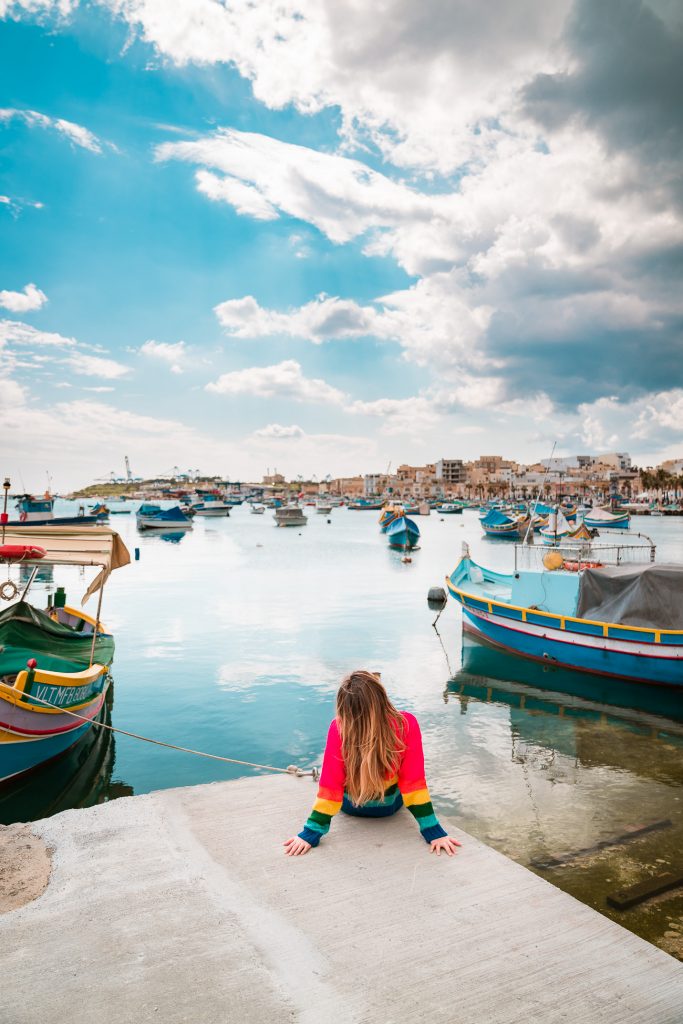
[[75, 133], [342, 197], [426, 83], [245, 198], [15, 332], [95, 366], [278, 432], [14, 8], [317, 321], [25, 301], [282, 380], [172, 353]]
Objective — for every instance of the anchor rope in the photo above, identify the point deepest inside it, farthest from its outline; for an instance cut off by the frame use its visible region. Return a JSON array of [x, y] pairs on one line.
[[290, 770]]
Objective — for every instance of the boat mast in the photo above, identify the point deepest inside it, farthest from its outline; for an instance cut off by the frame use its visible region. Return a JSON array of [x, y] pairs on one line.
[[533, 514]]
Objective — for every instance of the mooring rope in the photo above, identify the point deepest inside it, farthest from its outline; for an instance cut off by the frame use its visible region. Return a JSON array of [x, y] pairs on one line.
[[292, 769]]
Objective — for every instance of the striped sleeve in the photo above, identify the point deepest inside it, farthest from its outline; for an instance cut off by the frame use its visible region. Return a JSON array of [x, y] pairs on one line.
[[413, 785], [330, 791]]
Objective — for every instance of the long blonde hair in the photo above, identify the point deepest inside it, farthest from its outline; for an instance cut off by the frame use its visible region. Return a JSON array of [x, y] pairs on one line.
[[371, 730]]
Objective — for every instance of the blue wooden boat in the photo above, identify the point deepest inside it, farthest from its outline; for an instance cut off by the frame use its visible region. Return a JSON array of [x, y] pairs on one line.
[[390, 513], [153, 517], [624, 621], [59, 655], [362, 505], [602, 519], [403, 533], [499, 524]]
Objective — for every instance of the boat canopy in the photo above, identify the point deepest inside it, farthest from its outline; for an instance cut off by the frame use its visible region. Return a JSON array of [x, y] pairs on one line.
[[496, 518], [69, 545], [633, 595], [27, 632]]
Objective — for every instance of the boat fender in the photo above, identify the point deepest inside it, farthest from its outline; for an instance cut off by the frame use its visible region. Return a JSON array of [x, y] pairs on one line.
[[21, 552], [436, 595]]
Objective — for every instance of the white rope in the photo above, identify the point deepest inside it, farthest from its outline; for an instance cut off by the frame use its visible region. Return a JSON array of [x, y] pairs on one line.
[[290, 770]]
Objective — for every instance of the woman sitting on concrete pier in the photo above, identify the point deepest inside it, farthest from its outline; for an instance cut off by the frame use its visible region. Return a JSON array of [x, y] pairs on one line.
[[373, 765]]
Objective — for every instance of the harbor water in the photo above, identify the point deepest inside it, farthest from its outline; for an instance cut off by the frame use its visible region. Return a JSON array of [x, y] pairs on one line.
[[232, 638]]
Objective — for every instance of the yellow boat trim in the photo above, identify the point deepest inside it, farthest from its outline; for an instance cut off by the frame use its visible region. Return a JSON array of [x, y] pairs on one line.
[[562, 619], [15, 694], [78, 614]]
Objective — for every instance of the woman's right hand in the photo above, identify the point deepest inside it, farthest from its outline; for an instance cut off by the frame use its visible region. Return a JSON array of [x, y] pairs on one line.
[[447, 843], [296, 847]]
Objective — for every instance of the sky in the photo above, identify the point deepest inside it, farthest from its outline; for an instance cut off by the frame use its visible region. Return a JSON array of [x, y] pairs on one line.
[[326, 236]]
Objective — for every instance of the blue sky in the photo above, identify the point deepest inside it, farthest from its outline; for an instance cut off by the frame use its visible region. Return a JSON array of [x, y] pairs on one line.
[[237, 237]]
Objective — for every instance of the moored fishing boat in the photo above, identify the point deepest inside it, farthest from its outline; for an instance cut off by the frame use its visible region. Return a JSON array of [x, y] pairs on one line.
[[390, 513], [153, 517], [449, 508], [55, 660], [624, 621], [40, 512], [290, 515], [500, 524], [365, 506], [257, 510], [602, 519], [402, 533], [212, 505]]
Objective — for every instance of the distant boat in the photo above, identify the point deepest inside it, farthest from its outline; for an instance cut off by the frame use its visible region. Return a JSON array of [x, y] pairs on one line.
[[257, 510], [153, 517], [402, 533], [290, 515], [39, 512], [100, 510], [366, 506], [449, 508], [212, 505], [323, 509], [601, 519]]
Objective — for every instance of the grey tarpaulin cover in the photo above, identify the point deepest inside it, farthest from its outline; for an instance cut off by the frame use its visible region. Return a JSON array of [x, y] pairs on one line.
[[650, 595]]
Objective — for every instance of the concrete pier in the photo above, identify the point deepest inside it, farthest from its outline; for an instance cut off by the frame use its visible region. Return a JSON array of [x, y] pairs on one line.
[[180, 906]]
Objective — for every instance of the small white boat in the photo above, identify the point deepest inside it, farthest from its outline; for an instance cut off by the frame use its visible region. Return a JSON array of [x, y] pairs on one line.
[[258, 510], [323, 510], [290, 515], [211, 505]]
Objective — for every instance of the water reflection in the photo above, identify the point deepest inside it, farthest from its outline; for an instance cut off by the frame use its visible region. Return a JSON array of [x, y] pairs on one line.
[[81, 777], [559, 770], [483, 661]]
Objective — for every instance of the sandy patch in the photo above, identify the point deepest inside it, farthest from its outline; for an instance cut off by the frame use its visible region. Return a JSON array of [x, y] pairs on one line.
[[25, 866]]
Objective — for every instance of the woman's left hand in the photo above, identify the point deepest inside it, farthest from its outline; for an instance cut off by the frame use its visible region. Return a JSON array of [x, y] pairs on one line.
[[296, 847], [446, 843]]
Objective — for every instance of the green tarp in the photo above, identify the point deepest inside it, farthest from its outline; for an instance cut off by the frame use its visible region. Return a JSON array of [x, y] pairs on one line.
[[27, 632]]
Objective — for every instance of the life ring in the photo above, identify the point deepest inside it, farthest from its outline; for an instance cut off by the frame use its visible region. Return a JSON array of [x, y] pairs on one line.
[[21, 552], [8, 590]]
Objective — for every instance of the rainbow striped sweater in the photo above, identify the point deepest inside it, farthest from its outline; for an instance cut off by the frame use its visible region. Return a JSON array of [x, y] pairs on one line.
[[407, 787]]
